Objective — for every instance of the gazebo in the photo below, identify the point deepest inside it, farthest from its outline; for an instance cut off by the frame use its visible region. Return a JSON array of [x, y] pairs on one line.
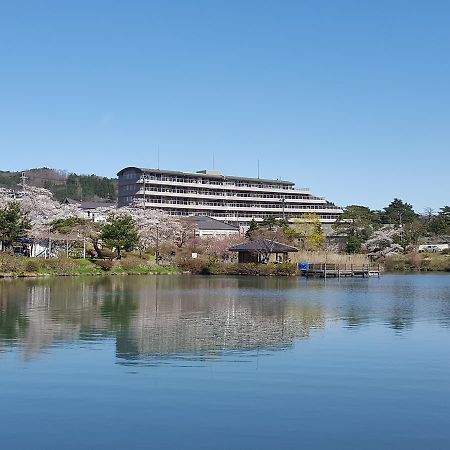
[[262, 251]]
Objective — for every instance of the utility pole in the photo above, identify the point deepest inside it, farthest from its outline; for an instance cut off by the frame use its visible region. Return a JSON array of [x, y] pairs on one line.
[[157, 245], [49, 242]]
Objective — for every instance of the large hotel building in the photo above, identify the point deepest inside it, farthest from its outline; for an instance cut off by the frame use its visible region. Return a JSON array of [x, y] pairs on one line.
[[227, 198]]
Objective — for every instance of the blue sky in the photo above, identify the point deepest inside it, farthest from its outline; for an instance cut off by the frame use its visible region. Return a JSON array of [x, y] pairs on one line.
[[349, 98]]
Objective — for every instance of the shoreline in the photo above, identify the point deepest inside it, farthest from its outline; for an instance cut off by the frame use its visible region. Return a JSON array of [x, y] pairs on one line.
[[19, 267], [176, 271]]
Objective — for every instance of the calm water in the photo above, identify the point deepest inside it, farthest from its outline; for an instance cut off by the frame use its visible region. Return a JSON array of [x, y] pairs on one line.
[[225, 363]]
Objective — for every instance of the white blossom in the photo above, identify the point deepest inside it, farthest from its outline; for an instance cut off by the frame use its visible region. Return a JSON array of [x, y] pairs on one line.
[[382, 241]]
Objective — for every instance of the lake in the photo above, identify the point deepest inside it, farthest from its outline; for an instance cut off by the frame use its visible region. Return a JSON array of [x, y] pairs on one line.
[[192, 362]]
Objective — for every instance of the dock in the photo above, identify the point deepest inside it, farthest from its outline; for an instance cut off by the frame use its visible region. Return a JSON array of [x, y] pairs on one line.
[[340, 270]]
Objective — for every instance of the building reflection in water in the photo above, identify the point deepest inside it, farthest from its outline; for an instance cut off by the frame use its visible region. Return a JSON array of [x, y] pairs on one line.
[[211, 316], [153, 317]]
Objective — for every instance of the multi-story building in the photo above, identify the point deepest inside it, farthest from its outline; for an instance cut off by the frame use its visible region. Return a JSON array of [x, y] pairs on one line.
[[228, 198]]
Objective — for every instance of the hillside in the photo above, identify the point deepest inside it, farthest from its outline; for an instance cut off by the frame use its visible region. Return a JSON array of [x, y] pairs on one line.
[[63, 184]]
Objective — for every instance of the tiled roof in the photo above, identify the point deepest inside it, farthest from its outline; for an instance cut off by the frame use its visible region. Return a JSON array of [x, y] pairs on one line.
[[88, 205], [71, 201], [94, 205], [208, 223]]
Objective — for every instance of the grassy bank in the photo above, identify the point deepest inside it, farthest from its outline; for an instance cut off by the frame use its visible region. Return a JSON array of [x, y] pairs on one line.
[[13, 266], [418, 262], [205, 267]]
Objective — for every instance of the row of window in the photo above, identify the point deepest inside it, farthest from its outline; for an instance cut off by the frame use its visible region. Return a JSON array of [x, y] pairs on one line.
[[230, 217], [224, 193], [178, 179], [130, 176], [128, 187], [278, 206]]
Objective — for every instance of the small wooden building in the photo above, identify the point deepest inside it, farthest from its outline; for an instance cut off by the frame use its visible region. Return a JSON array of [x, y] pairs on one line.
[[262, 251]]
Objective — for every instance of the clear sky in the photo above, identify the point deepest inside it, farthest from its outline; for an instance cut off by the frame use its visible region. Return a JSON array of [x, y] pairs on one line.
[[349, 98]]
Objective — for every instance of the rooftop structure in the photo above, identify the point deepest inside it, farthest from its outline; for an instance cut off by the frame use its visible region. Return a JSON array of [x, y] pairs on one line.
[[227, 198], [206, 226], [93, 210]]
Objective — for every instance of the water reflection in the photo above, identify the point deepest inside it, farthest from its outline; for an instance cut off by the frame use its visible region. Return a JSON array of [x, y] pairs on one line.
[[149, 317], [152, 318]]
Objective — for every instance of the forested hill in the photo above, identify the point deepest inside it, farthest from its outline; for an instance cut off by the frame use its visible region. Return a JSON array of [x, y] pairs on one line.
[[63, 184]]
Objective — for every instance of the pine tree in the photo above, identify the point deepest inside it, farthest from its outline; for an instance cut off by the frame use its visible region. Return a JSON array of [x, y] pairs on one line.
[[13, 224], [120, 233]]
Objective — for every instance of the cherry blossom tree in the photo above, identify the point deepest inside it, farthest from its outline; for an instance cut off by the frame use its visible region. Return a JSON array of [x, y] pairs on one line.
[[40, 208], [382, 241]]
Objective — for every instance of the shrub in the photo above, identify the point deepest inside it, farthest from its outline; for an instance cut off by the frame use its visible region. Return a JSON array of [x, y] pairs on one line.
[[437, 263], [133, 262], [104, 264], [32, 265], [284, 269], [12, 264], [62, 265], [414, 261], [213, 267]]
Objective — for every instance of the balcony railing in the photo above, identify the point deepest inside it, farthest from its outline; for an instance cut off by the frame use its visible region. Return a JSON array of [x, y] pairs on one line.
[[220, 184]]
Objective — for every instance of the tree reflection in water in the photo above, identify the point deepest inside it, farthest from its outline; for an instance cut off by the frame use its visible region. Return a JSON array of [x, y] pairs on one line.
[[152, 317], [155, 318]]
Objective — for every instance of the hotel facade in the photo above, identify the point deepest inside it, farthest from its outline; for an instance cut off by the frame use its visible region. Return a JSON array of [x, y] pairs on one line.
[[231, 199]]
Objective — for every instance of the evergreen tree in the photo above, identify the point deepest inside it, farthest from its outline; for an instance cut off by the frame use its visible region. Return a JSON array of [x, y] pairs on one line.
[[13, 224], [440, 224], [253, 227], [357, 223], [398, 213], [120, 233], [270, 222]]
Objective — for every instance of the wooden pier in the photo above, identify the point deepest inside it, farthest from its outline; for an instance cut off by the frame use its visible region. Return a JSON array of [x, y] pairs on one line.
[[341, 270]]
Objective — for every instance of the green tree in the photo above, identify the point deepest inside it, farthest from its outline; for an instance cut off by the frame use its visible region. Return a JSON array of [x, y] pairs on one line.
[[410, 234], [317, 237], [440, 224], [13, 224], [68, 224], [357, 223], [353, 244], [87, 187], [269, 221], [308, 230], [398, 213], [253, 227], [120, 233]]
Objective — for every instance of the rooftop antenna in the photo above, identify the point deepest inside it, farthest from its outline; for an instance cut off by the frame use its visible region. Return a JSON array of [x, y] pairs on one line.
[[258, 168], [158, 156], [24, 179]]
